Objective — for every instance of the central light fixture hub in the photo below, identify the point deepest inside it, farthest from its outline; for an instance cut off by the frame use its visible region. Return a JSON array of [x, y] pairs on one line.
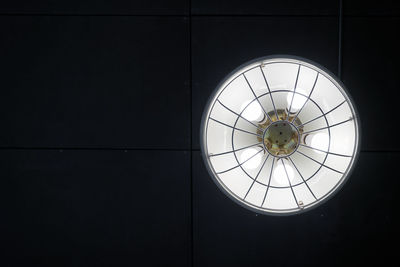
[[281, 138]]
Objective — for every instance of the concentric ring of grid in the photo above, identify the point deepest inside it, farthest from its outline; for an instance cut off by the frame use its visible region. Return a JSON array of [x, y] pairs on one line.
[[234, 151]]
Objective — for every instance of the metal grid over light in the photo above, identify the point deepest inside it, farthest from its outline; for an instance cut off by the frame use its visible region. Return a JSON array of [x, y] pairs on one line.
[[280, 135]]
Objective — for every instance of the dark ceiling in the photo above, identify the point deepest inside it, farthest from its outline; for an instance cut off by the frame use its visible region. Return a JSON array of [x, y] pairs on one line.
[[100, 106]]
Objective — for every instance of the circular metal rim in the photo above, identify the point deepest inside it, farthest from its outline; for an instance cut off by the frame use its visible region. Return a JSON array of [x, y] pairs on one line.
[[331, 193]]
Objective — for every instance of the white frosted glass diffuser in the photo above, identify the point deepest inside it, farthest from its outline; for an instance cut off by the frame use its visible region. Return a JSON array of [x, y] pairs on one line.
[[280, 135]]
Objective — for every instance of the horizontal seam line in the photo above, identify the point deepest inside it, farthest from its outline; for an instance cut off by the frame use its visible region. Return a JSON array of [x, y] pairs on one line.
[[97, 148], [167, 15]]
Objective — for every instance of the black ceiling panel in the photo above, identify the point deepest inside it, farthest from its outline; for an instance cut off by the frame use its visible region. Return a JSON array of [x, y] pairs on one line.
[[100, 108], [371, 8], [355, 227], [371, 73], [94, 81], [265, 7], [115, 7], [94, 208], [222, 44]]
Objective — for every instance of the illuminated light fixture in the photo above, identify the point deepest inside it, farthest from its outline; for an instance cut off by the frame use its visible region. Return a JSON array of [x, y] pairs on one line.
[[280, 135]]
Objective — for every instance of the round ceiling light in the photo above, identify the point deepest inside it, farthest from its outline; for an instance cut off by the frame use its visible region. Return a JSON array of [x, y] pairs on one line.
[[280, 135]]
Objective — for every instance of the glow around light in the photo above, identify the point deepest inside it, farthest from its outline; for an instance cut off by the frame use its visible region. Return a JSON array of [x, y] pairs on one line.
[[238, 152], [252, 163], [320, 141], [252, 112], [280, 175], [298, 100]]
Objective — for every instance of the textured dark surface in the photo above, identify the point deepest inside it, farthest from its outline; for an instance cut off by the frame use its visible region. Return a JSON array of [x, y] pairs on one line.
[[96, 7], [95, 81], [265, 7], [84, 208], [100, 105], [371, 8]]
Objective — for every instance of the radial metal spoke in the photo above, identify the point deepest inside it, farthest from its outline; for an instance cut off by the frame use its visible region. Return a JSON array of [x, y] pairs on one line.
[[290, 184], [331, 153], [319, 162], [255, 179], [235, 127], [270, 94], [328, 127], [294, 92], [312, 193], [233, 151], [241, 163], [233, 147], [269, 181], [237, 114], [258, 100], [323, 114], [308, 98]]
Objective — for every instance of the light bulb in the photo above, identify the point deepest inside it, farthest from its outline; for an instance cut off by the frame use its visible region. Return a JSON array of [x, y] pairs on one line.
[[252, 112], [252, 163], [298, 100], [320, 141], [281, 176]]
